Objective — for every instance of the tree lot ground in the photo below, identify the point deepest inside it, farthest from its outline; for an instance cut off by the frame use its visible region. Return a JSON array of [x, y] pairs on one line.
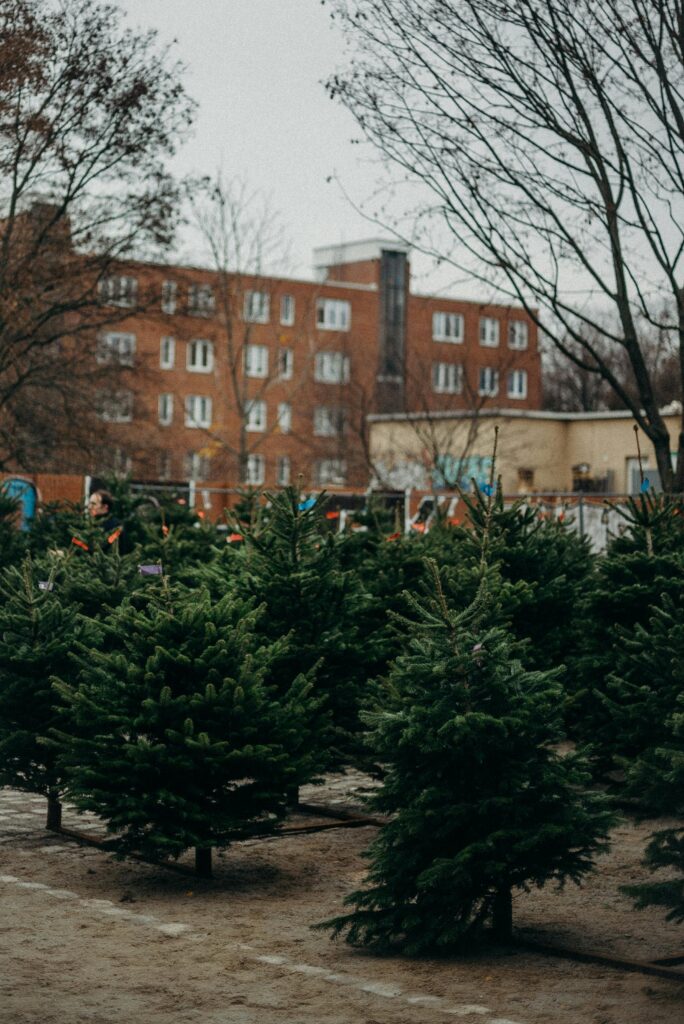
[[98, 940]]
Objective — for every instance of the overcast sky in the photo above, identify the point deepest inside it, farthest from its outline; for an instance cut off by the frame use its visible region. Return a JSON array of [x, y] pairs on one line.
[[256, 68]]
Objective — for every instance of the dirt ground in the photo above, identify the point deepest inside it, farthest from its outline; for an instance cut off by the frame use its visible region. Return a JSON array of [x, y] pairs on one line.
[[86, 938]]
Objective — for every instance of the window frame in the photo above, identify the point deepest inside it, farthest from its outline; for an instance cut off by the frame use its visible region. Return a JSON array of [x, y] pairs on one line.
[[512, 393], [207, 347], [284, 417], [201, 300], [283, 478], [326, 323], [446, 371], [260, 316], [170, 362], [513, 326], [169, 296], [329, 357], [121, 395], [109, 348], [165, 398], [192, 422], [251, 350], [441, 334], [494, 374], [285, 357], [485, 341], [287, 310], [255, 479], [256, 416]]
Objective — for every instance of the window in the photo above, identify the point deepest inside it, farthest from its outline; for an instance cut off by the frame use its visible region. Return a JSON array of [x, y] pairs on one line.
[[116, 348], [167, 353], [255, 415], [517, 384], [331, 368], [164, 464], [115, 406], [517, 334], [196, 466], [256, 307], [285, 363], [328, 421], [283, 471], [333, 314], [119, 290], [165, 409], [255, 470], [200, 356], [330, 471], [447, 327], [197, 411], [287, 310], [256, 361], [489, 331], [169, 292], [121, 463], [284, 417], [447, 378], [201, 300], [489, 381]]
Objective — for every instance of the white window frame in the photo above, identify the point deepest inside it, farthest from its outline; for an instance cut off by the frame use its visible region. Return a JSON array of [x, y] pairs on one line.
[[331, 368], [447, 378], [448, 327], [284, 417], [201, 300], [488, 382], [285, 363], [518, 334], [256, 415], [256, 361], [490, 331], [283, 471], [116, 347], [169, 296], [333, 314], [108, 402], [119, 290], [165, 408], [328, 421], [167, 352], [199, 356], [287, 310], [198, 410], [196, 466], [256, 307], [330, 471], [255, 470], [516, 384]]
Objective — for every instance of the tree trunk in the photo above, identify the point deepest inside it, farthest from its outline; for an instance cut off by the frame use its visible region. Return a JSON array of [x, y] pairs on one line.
[[502, 916], [54, 811], [203, 861], [292, 795]]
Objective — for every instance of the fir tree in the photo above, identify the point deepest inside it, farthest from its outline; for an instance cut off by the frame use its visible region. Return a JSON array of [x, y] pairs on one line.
[[173, 736], [292, 566], [37, 633], [12, 539], [638, 699], [660, 777], [481, 805]]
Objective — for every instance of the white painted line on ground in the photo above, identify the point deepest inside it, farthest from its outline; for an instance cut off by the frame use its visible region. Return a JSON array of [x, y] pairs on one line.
[[176, 929]]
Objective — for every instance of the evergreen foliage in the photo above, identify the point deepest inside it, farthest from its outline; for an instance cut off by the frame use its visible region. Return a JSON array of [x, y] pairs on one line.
[[292, 565], [36, 636], [660, 776], [12, 540], [174, 736], [480, 802]]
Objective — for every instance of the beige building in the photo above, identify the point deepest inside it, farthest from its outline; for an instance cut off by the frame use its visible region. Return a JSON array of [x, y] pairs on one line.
[[538, 452]]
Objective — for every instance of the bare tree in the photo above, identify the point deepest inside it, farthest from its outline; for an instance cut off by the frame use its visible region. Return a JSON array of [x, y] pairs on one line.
[[547, 136], [88, 114]]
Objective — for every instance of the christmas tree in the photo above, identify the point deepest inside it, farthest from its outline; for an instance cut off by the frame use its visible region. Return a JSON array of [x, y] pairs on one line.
[[659, 779], [37, 633], [292, 566], [480, 803], [173, 735]]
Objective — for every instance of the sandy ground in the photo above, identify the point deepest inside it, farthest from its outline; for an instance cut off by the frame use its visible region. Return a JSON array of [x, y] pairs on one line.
[[86, 938]]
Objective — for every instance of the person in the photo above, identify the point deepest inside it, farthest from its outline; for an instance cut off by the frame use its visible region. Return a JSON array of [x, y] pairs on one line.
[[101, 509]]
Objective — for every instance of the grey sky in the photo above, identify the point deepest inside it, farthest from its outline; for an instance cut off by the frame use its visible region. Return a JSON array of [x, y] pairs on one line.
[[256, 67]]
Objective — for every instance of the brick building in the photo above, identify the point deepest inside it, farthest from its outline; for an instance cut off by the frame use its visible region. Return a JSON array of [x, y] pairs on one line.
[[254, 379]]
